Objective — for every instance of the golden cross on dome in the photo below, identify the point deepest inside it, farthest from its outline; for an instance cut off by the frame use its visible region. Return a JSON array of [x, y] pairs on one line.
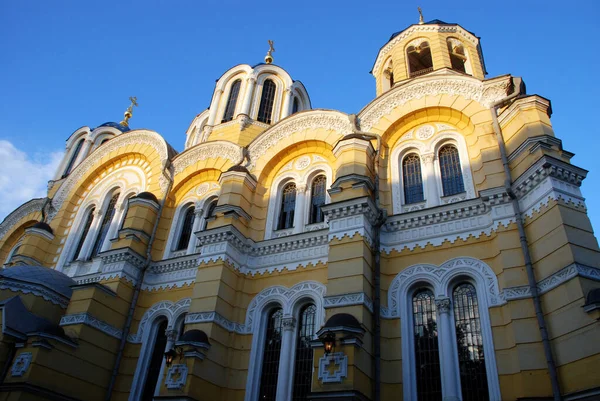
[[129, 112], [421, 20], [269, 56]]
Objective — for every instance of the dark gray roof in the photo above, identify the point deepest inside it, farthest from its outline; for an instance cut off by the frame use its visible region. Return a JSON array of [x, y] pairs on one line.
[[118, 126], [19, 322], [44, 276], [342, 319]]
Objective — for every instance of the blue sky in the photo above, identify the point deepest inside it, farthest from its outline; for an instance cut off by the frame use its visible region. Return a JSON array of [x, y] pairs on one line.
[[66, 64]]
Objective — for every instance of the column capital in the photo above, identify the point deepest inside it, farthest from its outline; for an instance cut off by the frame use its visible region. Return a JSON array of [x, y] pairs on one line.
[[301, 188], [428, 157], [171, 334], [443, 305], [288, 323], [251, 79], [198, 211]]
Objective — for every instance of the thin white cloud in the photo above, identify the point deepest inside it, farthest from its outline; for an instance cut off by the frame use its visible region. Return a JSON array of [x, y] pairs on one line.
[[22, 176]]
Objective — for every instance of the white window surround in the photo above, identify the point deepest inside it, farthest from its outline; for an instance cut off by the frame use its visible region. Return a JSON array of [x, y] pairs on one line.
[[174, 314], [303, 181], [291, 300], [278, 101], [202, 206], [442, 280], [225, 97], [428, 150], [13, 250]]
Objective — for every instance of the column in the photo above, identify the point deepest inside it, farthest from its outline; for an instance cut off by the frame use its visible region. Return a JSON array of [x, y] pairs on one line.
[[250, 83], [299, 213], [197, 226], [85, 148], [448, 364], [214, 107], [113, 230], [86, 249], [432, 195], [285, 379], [285, 108]]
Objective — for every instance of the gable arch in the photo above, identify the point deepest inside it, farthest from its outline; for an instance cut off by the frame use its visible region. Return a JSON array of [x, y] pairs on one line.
[[28, 211]]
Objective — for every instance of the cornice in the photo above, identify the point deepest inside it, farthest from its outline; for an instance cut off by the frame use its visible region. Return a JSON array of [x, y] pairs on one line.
[[38, 290], [89, 320], [523, 103], [533, 142], [548, 166]]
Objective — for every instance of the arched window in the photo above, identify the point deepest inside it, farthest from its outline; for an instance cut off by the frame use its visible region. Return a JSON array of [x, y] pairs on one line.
[[104, 141], [419, 59], [304, 353], [412, 179], [73, 158], [452, 179], [232, 101], [186, 229], [265, 110], [317, 199], [288, 205], [458, 56], [271, 354], [84, 233], [471, 358], [109, 213], [156, 359], [427, 355], [296, 105], [210, 213]]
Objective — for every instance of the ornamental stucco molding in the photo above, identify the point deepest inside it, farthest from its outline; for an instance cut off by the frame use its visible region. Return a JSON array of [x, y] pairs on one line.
[[36, 289], [312, 120], [170, 310], [351, 299], [130, 138], [485, 93], [171, 273], [89, 320], [34, 205], [350, 217], [207, 150]]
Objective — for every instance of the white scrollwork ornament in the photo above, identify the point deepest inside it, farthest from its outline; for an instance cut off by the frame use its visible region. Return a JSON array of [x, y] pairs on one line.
[[425, 132]]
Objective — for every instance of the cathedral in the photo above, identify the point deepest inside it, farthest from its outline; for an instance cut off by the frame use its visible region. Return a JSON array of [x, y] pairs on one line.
[[433, 246]]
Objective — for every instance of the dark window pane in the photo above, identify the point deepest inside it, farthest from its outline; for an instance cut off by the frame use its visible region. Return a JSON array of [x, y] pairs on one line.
[[86, 229], [232, 101], [427, 355], [271, 354], [73, 157], [296, 105], [317, 199], [105, 226], [419, 59], [288, 205], [471, 359], [304, 354], [457, 57], [452, 179], [267, 98], [156, 359], [412, 179], [186, 229]]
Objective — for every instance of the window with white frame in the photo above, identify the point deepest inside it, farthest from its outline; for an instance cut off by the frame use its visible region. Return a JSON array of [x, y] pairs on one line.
[[317, 199], [13, 251], [450, 170], [189, 218], [288, 207], [412, 179], [267, 100], [234, 92], [185, 232], [105, 225], [73, 157], [87, 224]]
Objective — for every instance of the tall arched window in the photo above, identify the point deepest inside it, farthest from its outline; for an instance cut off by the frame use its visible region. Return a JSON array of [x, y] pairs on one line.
[[84, 233], [452, 179], [296, 105], [471, 358], [265, 110], [317, 199], [109, 213], [73, 158], [427, 355], [158, 354], [288, 205], [271, 354], [232, 101], [304, 353], [186, 229], [210, 213], [419, 59], [412, 179]]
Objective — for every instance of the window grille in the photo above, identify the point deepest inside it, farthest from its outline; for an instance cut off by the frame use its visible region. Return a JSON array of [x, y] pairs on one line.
[[267, 98], [427, 355], [317, 199], [271, 354], [105, 226], [288, 205], [86, 229], [296, 106], [471, 358], [186, 229], [158, 354], [452, 179], [232, 101], [73, 158], [412, 179], [304, 354]]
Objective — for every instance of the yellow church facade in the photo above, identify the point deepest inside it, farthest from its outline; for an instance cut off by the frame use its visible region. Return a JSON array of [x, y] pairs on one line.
[[434, 246]]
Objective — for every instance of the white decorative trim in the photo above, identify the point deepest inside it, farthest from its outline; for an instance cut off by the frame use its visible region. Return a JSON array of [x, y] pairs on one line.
[[137, 137], [215, 317], [350, 217], [34, 205], [39, 290], [89, 320], [176, 376], [310, 120], [207, 150], [337, 359], [21, 364], [486, 93], [357, 298], [171, 273], [170, 310]]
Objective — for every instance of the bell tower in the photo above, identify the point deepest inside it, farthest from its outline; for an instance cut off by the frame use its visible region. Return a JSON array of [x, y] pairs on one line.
[[427, 47]]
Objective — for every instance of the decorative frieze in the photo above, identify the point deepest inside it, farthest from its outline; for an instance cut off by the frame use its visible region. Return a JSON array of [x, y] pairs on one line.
[[38, 290], [207, 150], [357, 298], [354, 216], [89, 320]]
